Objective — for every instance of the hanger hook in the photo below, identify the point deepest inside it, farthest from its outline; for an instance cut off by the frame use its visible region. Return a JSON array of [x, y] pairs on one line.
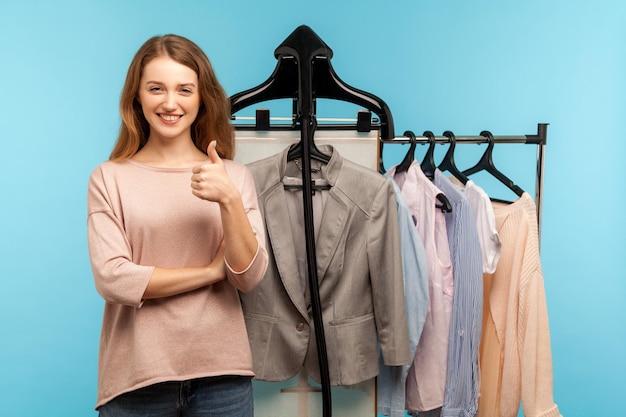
[[431, 137], [490, 140], [412, 138], [432, 140], [410, 155], [452, 138], [428, 164]]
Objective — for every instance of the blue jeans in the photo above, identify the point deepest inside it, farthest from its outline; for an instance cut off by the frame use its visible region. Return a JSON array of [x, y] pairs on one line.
[[204, 397]]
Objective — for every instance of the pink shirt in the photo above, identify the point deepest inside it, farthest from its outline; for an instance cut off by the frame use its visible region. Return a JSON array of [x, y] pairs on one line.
[[141, 217], [426, 379]]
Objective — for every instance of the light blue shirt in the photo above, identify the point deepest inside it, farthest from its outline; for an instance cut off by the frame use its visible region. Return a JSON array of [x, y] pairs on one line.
[[463, 373], [391, 379]]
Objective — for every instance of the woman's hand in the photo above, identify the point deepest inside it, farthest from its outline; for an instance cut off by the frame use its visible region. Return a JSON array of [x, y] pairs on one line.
[[210, 181]]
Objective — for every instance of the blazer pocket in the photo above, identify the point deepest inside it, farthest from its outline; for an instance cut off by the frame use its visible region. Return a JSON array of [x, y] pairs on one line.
[[356, 349], [260, 329]]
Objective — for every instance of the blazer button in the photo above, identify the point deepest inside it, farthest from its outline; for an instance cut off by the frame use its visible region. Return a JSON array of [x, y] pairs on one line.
[[300, 327]]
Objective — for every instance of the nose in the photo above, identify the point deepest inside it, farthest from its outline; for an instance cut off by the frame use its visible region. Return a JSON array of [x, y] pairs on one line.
[[169, 102]]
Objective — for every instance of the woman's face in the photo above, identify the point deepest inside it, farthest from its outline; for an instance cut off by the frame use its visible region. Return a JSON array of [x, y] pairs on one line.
[[170, 98]]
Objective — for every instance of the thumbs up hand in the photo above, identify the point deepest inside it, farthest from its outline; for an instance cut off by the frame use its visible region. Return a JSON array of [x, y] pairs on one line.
[[210, 181]]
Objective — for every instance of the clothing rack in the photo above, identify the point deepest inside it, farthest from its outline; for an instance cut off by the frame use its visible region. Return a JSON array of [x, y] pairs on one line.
[[303, 74]]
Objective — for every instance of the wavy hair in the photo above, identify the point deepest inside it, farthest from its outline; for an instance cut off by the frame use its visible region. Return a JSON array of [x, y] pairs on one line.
[[213, 120]]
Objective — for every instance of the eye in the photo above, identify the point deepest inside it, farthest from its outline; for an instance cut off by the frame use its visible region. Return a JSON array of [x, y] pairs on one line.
[[186, 90], [154, 88]]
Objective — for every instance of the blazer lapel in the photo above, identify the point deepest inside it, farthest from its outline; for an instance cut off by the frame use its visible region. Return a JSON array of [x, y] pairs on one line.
[[281, 240], [334, 221]]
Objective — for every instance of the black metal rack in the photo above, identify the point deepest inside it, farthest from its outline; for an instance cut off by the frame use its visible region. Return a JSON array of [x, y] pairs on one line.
[[539, 139]]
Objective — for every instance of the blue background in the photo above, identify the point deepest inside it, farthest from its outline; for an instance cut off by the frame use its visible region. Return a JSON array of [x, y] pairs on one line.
[[453, 65]]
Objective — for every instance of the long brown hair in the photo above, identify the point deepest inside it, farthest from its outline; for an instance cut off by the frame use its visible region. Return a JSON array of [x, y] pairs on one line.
[[213, 120]]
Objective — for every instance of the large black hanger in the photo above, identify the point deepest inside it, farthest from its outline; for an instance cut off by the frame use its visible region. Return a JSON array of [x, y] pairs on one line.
[[304, 74], [486, 164], [447, 163], [286, 81]]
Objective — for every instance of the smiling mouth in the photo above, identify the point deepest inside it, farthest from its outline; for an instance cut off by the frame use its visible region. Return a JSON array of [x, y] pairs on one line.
[[169, 117]]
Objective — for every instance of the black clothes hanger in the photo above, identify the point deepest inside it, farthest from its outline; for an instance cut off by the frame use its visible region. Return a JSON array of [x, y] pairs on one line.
[[445, 205], [428, 163], [428, 167], [447, 163], [486, 164], [286, 80], [295, 152], [403, 166], [410, 154]]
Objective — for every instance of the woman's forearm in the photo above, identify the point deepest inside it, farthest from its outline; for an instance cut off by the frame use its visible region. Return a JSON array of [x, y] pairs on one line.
[[240, 241], [166, 282]]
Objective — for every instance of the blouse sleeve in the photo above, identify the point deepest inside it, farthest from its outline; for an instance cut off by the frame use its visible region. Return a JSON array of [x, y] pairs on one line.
[[118, 280], [252, 275]]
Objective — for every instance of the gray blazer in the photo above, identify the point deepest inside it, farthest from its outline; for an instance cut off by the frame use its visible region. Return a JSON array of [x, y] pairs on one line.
[[359, 272]]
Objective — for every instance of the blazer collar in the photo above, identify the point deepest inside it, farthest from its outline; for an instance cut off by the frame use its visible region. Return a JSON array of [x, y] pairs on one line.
[[275, 172]]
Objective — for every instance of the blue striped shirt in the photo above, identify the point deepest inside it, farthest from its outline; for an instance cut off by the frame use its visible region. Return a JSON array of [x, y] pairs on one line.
[[463, 374]]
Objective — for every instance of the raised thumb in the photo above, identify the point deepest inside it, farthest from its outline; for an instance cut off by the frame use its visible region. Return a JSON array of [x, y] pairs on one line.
[[212, 152]]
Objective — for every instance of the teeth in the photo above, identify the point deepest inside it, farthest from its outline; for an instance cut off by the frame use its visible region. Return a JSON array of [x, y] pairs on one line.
[[169, 118]]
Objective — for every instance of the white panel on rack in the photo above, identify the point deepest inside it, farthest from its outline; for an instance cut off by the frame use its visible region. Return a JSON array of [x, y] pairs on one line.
[[361, 148], [300, 396]]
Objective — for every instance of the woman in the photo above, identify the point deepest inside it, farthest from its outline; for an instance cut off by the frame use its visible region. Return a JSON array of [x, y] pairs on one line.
[[174, 233]]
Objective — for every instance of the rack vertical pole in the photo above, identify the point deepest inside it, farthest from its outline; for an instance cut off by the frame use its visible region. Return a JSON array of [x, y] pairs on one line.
[[542, 132]]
